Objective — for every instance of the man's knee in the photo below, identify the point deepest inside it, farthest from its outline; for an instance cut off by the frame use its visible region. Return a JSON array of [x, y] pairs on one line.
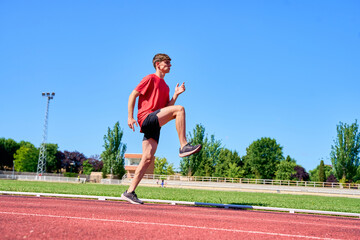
[[180, 109], [148, 158]]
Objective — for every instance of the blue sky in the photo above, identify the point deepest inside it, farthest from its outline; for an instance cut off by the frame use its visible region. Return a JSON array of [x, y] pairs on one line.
[[283, 69]]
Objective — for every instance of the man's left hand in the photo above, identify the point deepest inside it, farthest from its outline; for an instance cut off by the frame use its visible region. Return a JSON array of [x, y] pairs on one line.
[[181, 89]]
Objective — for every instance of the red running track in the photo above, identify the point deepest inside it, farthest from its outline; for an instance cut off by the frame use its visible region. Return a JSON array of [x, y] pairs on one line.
[[56, 218]]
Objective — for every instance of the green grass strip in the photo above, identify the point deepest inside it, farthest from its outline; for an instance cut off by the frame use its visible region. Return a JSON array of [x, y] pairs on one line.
[[324, 203]]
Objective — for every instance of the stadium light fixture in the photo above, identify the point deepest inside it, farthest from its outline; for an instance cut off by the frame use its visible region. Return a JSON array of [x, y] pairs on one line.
[[41, 168]]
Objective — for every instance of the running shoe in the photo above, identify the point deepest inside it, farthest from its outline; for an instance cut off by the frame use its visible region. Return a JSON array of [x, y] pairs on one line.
[[131, 197], [188, 150]]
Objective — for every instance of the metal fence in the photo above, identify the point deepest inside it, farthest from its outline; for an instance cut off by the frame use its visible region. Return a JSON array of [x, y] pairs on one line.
[[83, 178], [43, 178], [251, 181], [30, 173], [111, 181]]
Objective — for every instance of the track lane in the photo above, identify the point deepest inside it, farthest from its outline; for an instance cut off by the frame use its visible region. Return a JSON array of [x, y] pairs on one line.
[[47, 218]]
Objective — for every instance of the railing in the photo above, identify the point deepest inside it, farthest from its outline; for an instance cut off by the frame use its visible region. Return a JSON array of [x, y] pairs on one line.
[[59, 177], [14, 174], [30, 173], [43, 178], [111, 181], [252, 181]]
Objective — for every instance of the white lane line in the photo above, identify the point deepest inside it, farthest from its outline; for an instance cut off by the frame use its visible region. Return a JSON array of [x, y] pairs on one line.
[[167, 224], [294, 220]]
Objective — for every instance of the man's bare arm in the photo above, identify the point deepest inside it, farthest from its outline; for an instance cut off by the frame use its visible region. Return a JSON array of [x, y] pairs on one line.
[[131, 104], [178, 91]]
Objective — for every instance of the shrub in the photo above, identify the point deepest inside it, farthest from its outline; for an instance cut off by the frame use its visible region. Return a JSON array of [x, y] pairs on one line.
[[70, 174]]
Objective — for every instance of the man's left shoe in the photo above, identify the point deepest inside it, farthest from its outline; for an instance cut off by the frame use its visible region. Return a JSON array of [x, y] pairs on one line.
[[131, 197], [188, 150]]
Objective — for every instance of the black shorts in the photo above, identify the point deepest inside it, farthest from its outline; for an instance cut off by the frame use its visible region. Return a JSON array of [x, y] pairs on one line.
[[151, 127]]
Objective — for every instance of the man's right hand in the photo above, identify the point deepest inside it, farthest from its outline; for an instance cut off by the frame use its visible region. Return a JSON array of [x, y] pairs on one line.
[[131, 122]]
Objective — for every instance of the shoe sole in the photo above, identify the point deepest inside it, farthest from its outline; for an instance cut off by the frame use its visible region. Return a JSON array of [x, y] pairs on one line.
[[186, 154], [123, 197]]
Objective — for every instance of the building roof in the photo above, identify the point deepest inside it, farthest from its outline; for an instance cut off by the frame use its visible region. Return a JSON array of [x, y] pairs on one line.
[[132, 155]]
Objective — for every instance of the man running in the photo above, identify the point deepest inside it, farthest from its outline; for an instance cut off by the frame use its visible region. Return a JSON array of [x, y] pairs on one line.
[[155, 109]]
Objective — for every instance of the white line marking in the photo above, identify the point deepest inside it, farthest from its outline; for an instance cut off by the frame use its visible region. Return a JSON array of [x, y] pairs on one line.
[[294, 220], [166, 224]]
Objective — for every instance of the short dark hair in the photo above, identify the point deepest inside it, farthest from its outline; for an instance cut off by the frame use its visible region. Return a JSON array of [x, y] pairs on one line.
[[160, 57]]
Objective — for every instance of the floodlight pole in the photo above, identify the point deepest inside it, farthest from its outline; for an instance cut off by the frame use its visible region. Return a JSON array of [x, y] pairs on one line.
[[41, 168]]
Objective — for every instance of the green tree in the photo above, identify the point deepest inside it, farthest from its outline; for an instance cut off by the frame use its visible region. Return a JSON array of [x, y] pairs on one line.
[[87, 168], [162, 167], [8, 148], [345, 151], [229, 164], [113, 156], [210, 159], [285, 169], [26, 158], [314, 174], [204, 162], [53, 164], [170, 169], [322, 176], [189, 165], [234, 171], [262, 158]]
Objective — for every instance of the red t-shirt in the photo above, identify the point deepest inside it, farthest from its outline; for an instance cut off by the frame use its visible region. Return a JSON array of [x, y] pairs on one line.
[[154, 95]]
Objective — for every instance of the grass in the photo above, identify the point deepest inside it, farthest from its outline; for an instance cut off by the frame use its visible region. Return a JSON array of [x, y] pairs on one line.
[[338, 204]]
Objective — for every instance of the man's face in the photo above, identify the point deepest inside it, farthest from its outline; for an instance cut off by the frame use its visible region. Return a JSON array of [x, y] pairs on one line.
[[164, 66]]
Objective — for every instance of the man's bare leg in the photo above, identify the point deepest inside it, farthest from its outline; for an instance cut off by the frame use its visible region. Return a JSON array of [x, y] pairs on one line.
[[178, 113], [149, 148]]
